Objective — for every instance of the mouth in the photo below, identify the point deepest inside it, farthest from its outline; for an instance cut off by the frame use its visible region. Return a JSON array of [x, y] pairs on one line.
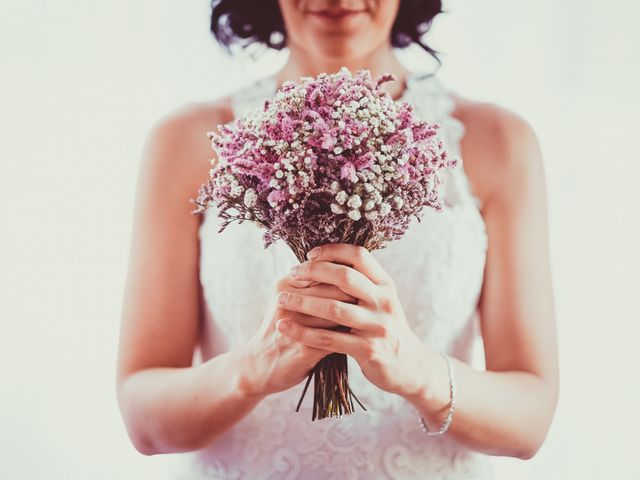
[[336, 13]]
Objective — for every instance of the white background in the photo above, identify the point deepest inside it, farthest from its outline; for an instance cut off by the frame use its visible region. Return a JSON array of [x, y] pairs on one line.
[[81, 82]]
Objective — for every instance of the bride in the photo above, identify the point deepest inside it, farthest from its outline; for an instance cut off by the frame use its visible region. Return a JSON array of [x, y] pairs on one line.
[[206, 367]]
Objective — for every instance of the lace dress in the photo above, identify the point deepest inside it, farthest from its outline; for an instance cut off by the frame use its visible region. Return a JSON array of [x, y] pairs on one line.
[[438, 270]]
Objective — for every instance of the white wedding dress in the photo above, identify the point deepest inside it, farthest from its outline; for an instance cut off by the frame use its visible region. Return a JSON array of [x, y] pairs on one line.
[[438, 270]]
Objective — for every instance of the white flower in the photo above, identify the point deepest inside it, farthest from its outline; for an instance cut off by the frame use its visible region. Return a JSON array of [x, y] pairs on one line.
[[279, 174], [250, 197], [335, 187], [341, 197], [236, 190], [337, 150], [354, 214], [371, 215], [369, 205], [337, 208], [398, 202], [354, 201], [385, 208]]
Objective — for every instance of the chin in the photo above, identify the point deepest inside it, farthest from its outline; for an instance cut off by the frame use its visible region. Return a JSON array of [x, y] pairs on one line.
[[340, 46]]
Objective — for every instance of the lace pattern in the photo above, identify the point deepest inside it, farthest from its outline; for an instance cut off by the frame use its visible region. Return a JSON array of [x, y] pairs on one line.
[[438, 269]]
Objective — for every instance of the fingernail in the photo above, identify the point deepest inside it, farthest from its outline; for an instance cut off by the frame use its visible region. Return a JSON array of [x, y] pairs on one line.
[[294, 270], [282, 298], [313, 253]]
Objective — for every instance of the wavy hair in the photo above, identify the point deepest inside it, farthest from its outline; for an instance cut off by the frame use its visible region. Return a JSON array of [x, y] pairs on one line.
[[246, 22]]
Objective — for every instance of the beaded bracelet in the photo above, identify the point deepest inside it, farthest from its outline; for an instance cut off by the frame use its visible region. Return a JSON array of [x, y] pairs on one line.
[[452, 404]]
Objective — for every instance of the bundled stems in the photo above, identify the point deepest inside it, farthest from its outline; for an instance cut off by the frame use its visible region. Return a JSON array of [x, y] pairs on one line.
[[332, 395]]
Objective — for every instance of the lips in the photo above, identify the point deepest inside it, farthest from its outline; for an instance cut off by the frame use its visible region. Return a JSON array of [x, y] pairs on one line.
[[336, 14]]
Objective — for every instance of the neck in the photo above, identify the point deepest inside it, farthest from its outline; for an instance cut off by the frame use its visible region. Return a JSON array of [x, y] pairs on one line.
[[301, 63]]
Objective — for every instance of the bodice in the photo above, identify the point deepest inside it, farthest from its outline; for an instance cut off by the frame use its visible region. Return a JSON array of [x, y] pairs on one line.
[[437, 267]]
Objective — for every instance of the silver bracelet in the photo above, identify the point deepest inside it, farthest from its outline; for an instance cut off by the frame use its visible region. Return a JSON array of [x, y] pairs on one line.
[[452, 403]]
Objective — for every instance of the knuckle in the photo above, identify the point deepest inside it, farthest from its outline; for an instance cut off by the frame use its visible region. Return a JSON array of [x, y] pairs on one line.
[[295, 300], [325, 339], [345, 276], [307, 268], [386, 304], [335, 310], [361, 252], [370, 353], [383, 329]]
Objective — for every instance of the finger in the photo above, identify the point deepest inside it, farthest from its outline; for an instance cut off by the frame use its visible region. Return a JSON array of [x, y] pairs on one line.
[[354, 255], [325, 290], [347, 314], [307, 320], [289, 282], [348, 279], [322, 339]]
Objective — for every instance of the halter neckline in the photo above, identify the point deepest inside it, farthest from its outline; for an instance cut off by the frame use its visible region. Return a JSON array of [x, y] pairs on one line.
[[411, 79]]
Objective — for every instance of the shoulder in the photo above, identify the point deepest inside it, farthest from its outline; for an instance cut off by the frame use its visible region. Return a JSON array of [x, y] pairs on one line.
[[177, 153], [500, 148], [184, 128]]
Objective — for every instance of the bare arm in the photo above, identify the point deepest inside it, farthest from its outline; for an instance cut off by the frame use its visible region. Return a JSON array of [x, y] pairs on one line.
[[507, 410], [168, 405]]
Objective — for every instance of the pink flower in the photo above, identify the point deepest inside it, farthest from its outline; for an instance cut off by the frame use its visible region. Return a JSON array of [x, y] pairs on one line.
[[364, 161], [348, 171]]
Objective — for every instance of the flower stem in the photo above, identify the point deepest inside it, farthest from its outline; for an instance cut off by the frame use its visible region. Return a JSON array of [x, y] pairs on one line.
[[332, 395]]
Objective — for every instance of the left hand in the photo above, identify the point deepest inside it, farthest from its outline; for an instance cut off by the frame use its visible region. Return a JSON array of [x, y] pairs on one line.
[[389, 353]]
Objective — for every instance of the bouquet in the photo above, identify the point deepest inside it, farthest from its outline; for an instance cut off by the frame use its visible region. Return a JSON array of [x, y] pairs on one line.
[[329, 159]]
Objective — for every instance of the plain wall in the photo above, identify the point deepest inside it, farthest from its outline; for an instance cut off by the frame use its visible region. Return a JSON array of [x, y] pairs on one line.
[[81, 83]]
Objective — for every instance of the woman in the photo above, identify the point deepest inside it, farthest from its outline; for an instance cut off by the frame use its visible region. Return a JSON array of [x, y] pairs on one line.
[[481, 261]]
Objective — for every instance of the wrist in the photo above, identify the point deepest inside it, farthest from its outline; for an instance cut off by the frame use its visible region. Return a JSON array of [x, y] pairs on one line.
[[432, 390], [248, 384]]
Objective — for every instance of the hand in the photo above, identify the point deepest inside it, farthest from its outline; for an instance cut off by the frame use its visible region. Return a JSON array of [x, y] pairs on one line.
[[390, 355], [276, 362]]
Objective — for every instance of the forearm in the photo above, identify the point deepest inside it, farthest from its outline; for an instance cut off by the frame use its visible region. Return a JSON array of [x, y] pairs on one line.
[[499, 413], [170, 410]]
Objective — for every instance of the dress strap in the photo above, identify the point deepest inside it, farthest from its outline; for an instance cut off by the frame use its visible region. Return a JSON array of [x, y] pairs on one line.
[[434, 102], [251, 96]]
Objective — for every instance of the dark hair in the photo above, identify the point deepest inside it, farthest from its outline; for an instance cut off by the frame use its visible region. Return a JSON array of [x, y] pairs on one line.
[[245, 22]]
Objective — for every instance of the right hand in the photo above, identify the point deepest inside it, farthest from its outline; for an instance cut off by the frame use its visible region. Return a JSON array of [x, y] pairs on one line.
[[276, 362]]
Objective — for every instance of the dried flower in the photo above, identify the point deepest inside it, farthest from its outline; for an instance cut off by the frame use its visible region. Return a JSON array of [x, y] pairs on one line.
[[329, 159]]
